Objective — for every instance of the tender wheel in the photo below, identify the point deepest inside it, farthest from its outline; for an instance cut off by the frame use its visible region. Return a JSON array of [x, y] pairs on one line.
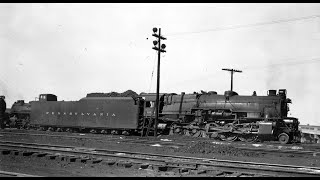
[[283, 138]]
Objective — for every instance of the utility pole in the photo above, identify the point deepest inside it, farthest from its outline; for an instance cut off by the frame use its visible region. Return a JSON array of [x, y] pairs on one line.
[[232, 70], [160, 49]]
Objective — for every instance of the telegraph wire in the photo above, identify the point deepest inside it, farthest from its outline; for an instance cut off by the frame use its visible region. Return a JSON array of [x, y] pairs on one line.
[[244, 26], [313, 60], [293, 63]]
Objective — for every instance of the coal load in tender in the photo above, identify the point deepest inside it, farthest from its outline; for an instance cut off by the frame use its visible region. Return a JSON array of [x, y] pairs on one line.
[[128, 93]]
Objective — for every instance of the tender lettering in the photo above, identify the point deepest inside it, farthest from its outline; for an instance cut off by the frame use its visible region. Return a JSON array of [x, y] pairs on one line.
[[81, 113]]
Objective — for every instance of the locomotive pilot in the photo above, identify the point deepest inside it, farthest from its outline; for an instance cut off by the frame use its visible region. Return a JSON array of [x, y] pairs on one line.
[[3, 107]]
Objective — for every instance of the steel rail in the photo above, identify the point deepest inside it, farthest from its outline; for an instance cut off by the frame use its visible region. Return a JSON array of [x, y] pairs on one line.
[[148, 142], [286, 151], [8, 173], [240, 165]]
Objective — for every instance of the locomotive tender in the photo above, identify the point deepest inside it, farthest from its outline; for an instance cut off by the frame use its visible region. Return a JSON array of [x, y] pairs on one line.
[[226, 117], [90, 112]]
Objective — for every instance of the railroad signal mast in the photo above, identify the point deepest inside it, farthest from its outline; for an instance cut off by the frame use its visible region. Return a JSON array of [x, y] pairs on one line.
[[232, 70], [160, 49]]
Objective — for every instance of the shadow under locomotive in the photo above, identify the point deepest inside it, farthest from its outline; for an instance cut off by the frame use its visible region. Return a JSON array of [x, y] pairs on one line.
[[227, 117]]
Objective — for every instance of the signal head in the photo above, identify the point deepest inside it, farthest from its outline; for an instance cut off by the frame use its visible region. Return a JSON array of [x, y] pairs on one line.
[[155, 42], [155, 29]]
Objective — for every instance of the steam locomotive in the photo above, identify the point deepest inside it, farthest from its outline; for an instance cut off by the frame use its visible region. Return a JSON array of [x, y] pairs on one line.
[[227, 117]]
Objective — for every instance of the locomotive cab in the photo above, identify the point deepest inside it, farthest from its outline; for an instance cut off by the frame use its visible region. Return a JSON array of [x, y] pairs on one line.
[[149, 103]]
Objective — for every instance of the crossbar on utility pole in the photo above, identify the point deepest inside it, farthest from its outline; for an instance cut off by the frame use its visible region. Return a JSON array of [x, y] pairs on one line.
[[232, 70]]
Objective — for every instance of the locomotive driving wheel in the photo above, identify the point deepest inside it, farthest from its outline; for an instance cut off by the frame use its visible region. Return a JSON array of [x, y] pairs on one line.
[[248, 138], [283, 138], [232, 137], [221, 136], [227, 137]]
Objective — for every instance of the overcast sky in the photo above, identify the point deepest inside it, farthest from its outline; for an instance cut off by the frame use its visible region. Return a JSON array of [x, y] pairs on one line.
[[74, 49]]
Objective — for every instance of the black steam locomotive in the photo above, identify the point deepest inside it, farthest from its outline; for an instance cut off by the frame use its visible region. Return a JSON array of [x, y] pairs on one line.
[[231, 116], [19, 114], [227, 117]]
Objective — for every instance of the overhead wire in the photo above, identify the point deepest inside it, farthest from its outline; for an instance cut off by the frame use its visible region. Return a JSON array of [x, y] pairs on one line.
[[293, 63], [312, 60], [257, 24], [244, 25]]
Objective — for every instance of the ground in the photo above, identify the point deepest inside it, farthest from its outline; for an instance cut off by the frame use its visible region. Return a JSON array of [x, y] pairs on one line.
[[195, 147]]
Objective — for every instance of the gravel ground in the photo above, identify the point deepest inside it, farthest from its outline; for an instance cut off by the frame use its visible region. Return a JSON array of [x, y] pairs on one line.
[[195, 147], [205, 147], [43, 167]]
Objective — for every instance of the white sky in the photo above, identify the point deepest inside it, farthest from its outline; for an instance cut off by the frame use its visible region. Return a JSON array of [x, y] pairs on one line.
[[74, 49]]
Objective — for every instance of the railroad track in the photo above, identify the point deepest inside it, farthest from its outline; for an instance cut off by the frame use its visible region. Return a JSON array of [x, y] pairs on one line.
[[143, 141], [14, 174], [284, 152], [162, 162]]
